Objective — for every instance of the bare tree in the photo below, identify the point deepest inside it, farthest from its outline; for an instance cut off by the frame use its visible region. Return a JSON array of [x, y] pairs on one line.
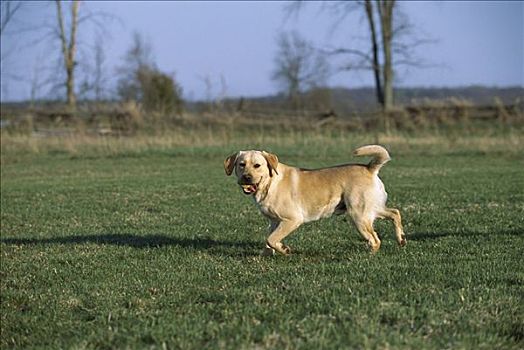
[[379, 15], [92, 70], [99, 75], [223, 92], [137, 59], [60, 30], [298, 66], [208, 83], [214, 101], [67, 34], [389, 46], [37, 82], [68, 45], [385, 14]]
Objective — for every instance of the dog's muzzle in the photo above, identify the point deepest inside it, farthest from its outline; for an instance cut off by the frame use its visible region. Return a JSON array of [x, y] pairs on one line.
[[246, 182], [249, 188]]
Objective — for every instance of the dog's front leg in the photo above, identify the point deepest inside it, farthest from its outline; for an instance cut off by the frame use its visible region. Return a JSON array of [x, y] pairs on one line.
[[268, 251], [281, 231]]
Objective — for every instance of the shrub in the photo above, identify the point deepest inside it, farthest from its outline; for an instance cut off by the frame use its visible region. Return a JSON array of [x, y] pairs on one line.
[[160, 92]]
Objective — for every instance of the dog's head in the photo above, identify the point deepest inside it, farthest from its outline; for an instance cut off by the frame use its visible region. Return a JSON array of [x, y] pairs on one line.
[[253, 169]]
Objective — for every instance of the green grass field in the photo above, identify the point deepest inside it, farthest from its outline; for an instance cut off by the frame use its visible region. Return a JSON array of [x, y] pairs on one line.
[[116, 246]]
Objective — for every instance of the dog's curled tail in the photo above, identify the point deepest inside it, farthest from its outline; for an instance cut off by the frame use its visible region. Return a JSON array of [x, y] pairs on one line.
[[380, 156]]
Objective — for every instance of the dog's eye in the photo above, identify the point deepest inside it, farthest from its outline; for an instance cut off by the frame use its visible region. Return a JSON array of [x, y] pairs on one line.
[[256, 166], [242, 165]]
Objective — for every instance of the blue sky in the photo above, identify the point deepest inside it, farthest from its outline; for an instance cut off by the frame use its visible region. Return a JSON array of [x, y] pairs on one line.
[[476, 42]]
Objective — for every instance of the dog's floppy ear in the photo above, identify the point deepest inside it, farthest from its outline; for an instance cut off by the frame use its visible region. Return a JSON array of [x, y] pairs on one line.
[[272, 162], [229, 163]]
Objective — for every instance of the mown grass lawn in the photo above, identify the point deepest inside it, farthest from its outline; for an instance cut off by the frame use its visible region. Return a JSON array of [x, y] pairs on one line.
[[158, 248]]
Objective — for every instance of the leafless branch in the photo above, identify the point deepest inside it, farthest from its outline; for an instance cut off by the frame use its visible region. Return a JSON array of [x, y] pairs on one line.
[[9, 8], [412, 63], [355, 66], [345, 51], [293, 9], [340, 10]]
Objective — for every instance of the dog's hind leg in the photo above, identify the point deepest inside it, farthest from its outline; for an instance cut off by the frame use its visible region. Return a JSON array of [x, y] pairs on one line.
[[394, 215], [365, 228]]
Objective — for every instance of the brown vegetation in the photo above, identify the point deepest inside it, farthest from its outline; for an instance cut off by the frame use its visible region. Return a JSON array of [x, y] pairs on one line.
[[452, 116]]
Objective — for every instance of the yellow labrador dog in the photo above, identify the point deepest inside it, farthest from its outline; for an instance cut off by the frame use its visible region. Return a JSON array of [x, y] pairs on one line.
[[290, 196]]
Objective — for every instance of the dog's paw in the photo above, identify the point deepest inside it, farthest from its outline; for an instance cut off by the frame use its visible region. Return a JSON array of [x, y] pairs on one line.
[[374, 246], [279, 247], [285, 249], [403, 242]]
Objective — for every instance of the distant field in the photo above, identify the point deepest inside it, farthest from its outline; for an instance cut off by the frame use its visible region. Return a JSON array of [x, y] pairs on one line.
[[145, 243]]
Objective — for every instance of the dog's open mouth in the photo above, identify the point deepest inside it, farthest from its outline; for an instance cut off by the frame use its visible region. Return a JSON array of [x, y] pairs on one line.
[[249, 188]]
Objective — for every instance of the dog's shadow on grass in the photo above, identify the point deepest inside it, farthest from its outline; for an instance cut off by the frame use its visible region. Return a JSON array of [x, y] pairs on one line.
[[224, 247], [208, 245]]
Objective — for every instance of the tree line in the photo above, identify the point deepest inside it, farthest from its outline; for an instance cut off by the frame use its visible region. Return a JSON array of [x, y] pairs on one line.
[[299, 66]]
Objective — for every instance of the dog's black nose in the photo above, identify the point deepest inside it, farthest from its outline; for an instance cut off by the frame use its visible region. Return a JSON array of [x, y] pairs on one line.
[[247, 178]]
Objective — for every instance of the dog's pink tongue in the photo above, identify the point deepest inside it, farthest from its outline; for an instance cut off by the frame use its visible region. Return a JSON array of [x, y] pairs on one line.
[[248, 189]]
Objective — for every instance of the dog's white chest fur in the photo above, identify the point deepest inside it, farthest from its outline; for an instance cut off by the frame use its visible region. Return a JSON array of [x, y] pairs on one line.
[[267, 211], [265, 202]]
